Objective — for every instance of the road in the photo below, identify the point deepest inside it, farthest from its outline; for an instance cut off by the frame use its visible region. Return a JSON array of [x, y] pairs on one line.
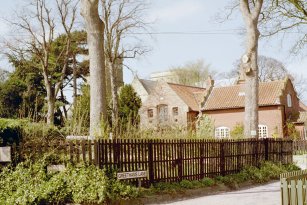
[[268, 194], [262, 195]]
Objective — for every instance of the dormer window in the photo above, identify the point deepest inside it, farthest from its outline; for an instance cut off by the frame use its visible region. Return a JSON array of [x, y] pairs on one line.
[[289, 100]]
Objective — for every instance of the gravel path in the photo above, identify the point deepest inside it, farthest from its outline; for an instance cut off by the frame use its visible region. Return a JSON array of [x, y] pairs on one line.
[[262, 195]]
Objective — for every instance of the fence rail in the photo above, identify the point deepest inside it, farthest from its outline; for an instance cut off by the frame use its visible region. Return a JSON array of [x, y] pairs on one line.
[[300, 146], [169, 160], [294, 188]]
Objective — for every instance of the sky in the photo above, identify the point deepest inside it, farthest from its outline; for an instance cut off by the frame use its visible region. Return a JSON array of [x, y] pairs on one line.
[[191, 31]]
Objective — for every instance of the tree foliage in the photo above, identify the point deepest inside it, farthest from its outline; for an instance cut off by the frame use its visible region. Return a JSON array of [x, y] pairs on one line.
[[286, 17], [191, 73], [129, 104]]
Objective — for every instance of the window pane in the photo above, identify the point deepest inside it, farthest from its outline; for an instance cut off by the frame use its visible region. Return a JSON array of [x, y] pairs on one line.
[[175, 111]]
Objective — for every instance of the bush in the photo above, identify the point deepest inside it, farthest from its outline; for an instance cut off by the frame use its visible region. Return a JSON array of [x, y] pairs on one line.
[[41, 132], [186, 184], [207, 182], [237, 132], [14, 131], [11, 131], [29, 183]]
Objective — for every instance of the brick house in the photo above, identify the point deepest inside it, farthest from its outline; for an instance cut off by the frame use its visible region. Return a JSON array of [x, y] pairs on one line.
[[167, 104], [278, 104], [173, 105]]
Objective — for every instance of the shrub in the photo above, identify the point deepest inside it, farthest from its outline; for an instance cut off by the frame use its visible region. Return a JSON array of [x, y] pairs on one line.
[[207, 182], [205, 127], [237, 132], [41, 132], [11, 131], [186, 184], [29, 183]]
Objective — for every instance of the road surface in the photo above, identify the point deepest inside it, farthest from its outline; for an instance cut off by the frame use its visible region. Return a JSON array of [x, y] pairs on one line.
[[268, 194], [262, 195]]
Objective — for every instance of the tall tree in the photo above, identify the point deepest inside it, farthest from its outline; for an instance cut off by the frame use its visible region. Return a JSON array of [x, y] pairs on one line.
[[95, 39], [250, 10], [39, 22], [121, 17]]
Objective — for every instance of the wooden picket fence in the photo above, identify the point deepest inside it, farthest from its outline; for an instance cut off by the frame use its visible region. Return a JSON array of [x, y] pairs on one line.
[[300, 146], [294, 188], [168, 160]]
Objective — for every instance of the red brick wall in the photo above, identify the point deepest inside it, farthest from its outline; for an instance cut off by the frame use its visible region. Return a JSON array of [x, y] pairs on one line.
[[290, 111], [269, 116]]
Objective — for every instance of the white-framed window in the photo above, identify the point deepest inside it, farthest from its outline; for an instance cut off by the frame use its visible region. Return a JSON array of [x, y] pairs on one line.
[[289, 100], [263, 131], [222, 132]]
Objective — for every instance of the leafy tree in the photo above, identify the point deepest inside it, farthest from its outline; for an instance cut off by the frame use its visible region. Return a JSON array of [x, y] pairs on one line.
[[40, 21], [129, 104], [28, 74], [191, 73], [11, 98]]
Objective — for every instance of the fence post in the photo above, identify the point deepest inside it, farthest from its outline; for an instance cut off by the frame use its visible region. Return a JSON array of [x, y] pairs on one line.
[[222, 158], [150, 162], [202, 153], [96, 152], [239, 166], [266, 149], [281, 154], [180, 160], [291, 152], [256, 153], [116, 153]]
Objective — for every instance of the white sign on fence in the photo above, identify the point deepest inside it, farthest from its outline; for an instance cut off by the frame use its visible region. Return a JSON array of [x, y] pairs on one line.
[[55, 168], [5, 154], [131, 175]]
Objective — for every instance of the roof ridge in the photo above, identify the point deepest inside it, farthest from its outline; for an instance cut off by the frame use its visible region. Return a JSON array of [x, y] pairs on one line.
[[237, 85], [185, 85]]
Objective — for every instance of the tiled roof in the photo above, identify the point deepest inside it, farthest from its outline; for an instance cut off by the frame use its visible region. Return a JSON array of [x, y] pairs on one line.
[[233, 96], [192, 96], [149, 85]]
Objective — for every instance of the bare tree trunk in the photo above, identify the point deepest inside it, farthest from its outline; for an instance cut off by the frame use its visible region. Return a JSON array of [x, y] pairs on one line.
[[250, 66], [95, 40], [51, 107], [252, 84], [74, 74], [112, 73], [64, 108]]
